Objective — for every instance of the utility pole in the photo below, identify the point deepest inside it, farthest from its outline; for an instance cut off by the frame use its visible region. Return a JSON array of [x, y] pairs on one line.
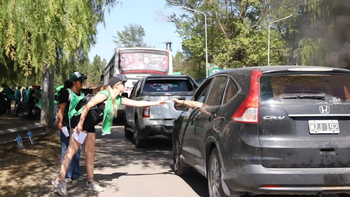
[[206, 39], [268, 39]]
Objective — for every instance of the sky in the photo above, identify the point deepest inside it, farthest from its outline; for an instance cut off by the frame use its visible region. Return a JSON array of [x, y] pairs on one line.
[[140, 12]]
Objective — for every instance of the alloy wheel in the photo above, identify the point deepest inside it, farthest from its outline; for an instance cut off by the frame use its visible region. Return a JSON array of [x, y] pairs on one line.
[[214, 178]]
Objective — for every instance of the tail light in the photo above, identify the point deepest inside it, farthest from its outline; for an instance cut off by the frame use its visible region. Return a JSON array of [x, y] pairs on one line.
[[248, 111], [146, 112]]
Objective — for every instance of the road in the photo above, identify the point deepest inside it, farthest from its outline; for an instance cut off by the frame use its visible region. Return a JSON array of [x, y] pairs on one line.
[[126, 171]]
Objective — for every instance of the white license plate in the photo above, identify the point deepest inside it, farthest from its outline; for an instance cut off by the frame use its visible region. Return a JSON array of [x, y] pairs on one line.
[[323, 126]]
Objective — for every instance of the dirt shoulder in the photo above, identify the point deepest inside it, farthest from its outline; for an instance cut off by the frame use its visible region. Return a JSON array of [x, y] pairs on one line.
[[23, 172], [11, 121]]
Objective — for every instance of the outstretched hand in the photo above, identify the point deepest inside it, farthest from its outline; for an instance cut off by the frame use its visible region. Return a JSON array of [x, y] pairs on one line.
[[162, 102], [176, 100]]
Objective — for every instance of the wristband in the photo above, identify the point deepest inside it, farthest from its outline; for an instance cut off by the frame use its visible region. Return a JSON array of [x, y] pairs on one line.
[[183, 102]]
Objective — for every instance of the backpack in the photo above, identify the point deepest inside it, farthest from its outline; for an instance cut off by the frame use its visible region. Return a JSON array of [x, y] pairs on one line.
[[95, 113]]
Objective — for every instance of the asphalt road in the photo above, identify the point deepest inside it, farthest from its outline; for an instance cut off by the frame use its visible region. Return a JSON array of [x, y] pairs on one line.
[[126, 171]]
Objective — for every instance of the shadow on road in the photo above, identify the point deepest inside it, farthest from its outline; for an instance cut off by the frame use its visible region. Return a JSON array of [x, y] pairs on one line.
[[197, 182]]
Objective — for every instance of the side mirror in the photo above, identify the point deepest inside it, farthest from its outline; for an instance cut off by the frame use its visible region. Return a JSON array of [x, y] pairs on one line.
[[124, 94]]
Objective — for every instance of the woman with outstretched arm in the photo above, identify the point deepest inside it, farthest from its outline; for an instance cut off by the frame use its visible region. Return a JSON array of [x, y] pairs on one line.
[[103, 106]]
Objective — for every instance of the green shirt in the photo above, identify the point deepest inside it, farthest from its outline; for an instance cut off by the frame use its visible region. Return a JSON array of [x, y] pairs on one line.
[[8, 93], [73, 102]]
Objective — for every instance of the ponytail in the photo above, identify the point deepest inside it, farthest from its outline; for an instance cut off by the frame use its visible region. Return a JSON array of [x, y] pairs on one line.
[[115, 107]]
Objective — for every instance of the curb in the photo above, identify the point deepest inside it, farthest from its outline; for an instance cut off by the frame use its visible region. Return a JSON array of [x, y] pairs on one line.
[[9, 135]]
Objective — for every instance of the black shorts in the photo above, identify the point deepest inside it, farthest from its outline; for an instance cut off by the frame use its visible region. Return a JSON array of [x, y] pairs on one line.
[[94, 117], [87, 126]]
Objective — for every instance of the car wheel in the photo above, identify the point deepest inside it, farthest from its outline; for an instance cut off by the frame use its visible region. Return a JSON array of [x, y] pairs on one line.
[[139, 143], [127, 134], [179, 168], [214, 175]]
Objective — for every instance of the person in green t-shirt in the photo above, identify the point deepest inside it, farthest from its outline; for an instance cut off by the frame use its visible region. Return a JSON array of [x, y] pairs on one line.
[[106, 101], [18, 96]]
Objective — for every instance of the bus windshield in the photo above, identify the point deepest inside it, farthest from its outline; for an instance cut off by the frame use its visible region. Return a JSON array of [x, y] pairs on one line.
[[131, 62]]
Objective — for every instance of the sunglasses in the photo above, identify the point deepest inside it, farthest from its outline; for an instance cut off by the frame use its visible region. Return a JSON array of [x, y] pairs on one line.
[[123, 82]]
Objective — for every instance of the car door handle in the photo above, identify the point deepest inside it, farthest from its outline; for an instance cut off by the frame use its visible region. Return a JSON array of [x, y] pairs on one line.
[[212, 115]]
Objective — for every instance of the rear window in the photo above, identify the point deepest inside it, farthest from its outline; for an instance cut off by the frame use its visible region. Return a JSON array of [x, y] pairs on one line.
[[305, 88], [167, 86]]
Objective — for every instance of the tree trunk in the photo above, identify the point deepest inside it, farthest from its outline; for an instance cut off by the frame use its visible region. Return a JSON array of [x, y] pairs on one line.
[[44, 97], [51, 98]]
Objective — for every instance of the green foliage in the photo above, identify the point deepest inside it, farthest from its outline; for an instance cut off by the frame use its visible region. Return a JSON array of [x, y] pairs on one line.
[[38, 34], [316, 34], [132, 36], [236, 33]]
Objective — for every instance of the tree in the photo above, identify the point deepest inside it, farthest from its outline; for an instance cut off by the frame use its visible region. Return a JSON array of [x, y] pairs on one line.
[[132, 36], [318, 32], [40, 34], [237, 33]]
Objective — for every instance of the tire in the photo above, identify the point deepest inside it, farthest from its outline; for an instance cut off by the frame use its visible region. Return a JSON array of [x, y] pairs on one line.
[[179, 168], [214, 175], [139, 143], [127, 134]]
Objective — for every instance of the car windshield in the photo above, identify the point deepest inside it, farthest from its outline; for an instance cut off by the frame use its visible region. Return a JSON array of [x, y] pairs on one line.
[[305, 88], [167, 86]]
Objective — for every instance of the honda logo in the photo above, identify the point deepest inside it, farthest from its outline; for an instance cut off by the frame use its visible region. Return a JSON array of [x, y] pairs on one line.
[[324, 109]]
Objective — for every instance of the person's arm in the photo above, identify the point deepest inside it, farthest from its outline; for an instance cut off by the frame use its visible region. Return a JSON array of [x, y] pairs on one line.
[[130, 102], [99, 98], [61, 108], [193, 104]]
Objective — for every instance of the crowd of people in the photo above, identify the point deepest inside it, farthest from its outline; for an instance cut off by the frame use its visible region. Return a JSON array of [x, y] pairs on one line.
[[28, 95]]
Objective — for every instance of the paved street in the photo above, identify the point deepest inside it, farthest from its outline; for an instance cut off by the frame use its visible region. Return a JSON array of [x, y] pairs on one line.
[[126, 171]]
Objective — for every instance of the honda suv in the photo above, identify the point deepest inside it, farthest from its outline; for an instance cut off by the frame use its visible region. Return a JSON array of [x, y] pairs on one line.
[[268, 130]]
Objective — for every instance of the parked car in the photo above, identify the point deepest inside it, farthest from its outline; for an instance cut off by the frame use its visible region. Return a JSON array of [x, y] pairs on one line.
[[156, 120], [268, 130]]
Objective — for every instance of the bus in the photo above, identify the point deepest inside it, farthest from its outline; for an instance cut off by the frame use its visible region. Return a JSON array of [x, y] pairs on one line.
[[136, 63]]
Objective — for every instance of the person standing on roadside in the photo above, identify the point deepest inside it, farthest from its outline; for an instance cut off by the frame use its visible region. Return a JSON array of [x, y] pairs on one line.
[[18, 96], [31, 100], [24, 95], [8, 95], [68, 97]]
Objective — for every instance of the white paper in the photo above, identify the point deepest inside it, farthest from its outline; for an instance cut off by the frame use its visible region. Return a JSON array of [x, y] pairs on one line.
[[79, 137], [65, 131]]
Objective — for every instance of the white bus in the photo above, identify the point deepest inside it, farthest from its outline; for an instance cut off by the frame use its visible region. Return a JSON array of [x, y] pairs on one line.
[[136, 63]]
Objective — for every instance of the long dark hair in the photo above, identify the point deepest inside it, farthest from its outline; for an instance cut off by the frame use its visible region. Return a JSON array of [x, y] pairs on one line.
[[66, 84]]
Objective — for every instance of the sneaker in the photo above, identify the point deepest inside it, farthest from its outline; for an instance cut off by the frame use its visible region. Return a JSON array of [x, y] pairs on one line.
[[94, 186], [68, 180], [81, 178], [61, 187]]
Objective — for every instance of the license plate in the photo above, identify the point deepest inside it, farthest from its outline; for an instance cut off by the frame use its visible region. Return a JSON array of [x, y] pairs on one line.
[[323, 126]]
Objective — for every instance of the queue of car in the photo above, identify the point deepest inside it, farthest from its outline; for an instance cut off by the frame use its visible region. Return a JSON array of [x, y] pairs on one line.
[[268, 130]]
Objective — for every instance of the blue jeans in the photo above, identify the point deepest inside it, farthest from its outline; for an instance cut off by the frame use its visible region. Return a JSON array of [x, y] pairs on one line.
[[73, 171]]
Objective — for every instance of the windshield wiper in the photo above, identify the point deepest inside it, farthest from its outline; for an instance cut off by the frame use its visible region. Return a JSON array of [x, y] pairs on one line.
[[305, 96]]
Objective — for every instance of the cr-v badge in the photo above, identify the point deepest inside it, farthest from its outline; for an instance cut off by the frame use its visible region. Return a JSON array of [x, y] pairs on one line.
[[273, 117], [324, 109]]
